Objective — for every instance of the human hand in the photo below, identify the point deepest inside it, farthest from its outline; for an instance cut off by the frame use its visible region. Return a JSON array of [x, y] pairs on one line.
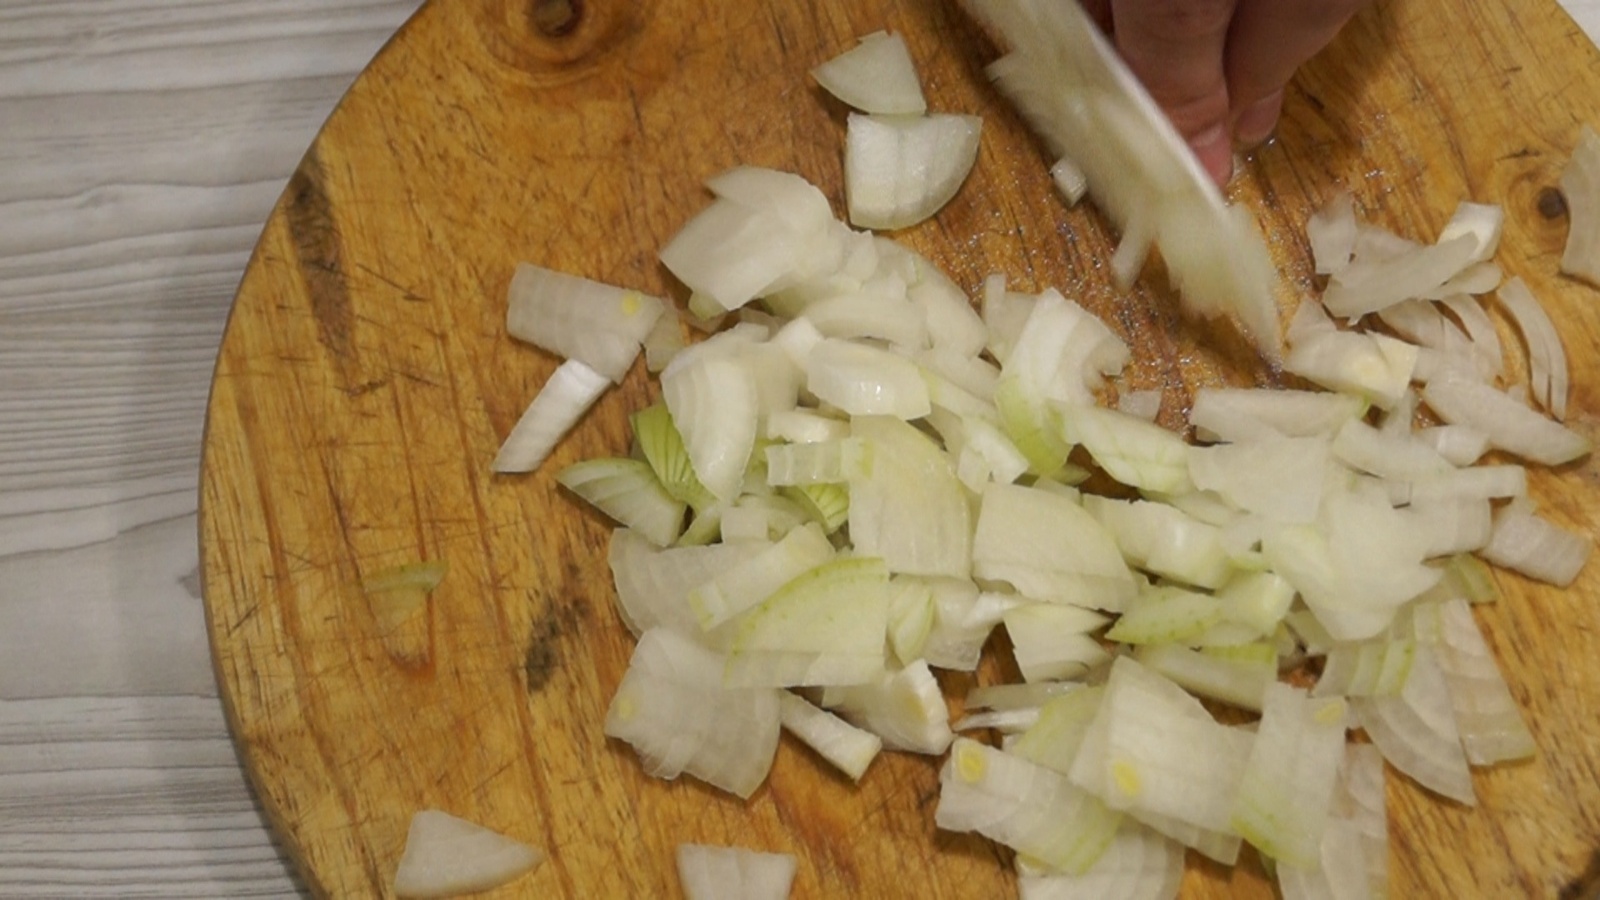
[[1218, 68]]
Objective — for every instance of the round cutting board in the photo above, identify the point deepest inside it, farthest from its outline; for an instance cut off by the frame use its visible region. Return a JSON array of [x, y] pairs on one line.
[[366, 380]]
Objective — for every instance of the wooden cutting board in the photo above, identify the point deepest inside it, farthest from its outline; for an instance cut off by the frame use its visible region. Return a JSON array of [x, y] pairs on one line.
[[366, 380]]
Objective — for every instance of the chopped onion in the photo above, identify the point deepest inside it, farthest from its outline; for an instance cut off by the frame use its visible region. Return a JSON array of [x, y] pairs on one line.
[[1138, 864], [875, 76], [1547, 359], [865, 381], [573, 388], [905, 708], [1527, 543], [1369, 285], [1049, 548], [1580, 186], [446, 857], [1247, 414], [1288, 785], [1482, 221], [846, 747], [1069, 180], [672, 707], [1052, 641], [909, 508], [1331, 232], [1374, 668], [1137, 453], [820, 462], [963, 618], [1510, 425], [1492, 729], [662, 446], [1034, 810], [577, 319], [628, 492], [1237, 680], [1273, 476], [1154, 752], [1416, 730], [732, 873], [715, 406], [1162, 615], [901, 170], [740, 587], [1372, 366], [825, 626], [1164, 540]]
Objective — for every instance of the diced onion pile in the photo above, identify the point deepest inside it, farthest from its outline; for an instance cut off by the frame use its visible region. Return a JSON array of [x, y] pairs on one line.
[[861, 477]]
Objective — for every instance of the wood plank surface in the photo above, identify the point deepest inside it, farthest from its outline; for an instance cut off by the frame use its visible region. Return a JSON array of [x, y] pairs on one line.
[[365, 381]]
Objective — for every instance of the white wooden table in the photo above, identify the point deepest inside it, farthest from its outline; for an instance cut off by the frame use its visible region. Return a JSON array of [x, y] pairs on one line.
[[142, 143]]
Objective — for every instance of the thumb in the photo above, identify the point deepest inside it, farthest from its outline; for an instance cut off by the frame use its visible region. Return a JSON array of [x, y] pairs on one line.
[[1176, 47]]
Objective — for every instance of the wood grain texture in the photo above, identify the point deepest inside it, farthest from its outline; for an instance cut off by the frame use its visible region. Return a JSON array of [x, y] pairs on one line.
[[365, 381]]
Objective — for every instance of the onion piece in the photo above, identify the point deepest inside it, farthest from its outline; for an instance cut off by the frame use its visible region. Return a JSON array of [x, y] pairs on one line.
[[908, 508], [1063, 724], [1353, 860], [1331, 232], [733, 873], [1258, 600], [573, 388], [799, 426], [1049, 548], [1367, 285], [653, 584], [1416, 730], [875, 76], [1069, 180], [1452, 526], [628, 492], [1492, 729], [1527, 543], [963, 618], [731, 253], [446, 856], [1483, 222], [899, 171], [1375, 367], [1034, 810], [1510, 425], [1460, 445], [662, 446], [672, 707], [1580, 187], [1396, 456], [1245, 414], [1374, 668], [1154, 752], [663, 343], [1273, 476], [905, 708], [1480, 331], [746, 584], [1234, 679], [1162, 615], [863, 380], [715, 405], [1138, 864], [846, 747], [1136, 453], [1547, 359], [1288, 785], [1052, 641], [820, 462], [595, 324], [826, 626], [1164, 540]]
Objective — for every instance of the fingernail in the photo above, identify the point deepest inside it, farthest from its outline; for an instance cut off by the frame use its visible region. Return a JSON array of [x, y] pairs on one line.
[[1259, 119], [1214, 149]]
